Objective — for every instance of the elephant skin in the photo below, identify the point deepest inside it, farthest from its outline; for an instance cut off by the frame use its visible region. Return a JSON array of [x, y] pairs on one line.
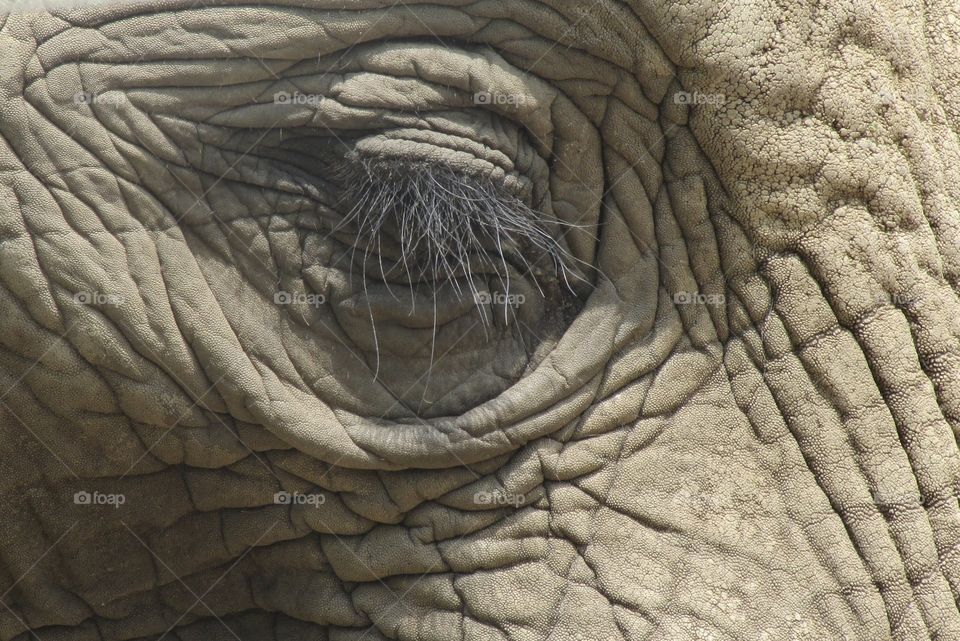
[[727, 410]]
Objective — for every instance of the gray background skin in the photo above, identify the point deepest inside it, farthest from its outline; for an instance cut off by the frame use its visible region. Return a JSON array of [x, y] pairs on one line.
[[777, 462]]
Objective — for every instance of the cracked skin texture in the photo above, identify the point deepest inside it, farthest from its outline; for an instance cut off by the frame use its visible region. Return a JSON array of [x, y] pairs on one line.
[[777, 463]]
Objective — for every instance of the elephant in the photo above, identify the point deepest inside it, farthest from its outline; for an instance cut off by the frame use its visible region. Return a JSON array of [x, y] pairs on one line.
[[353, 320]]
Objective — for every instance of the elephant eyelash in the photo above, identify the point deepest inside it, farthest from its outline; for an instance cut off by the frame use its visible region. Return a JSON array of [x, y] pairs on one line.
[[440, 219]]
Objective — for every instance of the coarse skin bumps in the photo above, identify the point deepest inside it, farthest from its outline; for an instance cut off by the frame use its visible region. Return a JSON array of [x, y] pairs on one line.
[[748, 433]]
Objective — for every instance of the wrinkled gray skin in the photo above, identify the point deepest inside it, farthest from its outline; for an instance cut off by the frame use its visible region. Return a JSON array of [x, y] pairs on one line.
[[743, 429]]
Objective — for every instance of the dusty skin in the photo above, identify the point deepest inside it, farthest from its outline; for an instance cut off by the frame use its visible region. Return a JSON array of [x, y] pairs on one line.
[[480, 320]]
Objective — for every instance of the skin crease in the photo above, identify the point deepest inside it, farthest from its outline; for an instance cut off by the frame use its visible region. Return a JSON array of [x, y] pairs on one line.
[[744, 430]]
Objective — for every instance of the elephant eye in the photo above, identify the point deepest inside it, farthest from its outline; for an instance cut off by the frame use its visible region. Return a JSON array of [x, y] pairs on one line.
[[414, 218], [432, 220]]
